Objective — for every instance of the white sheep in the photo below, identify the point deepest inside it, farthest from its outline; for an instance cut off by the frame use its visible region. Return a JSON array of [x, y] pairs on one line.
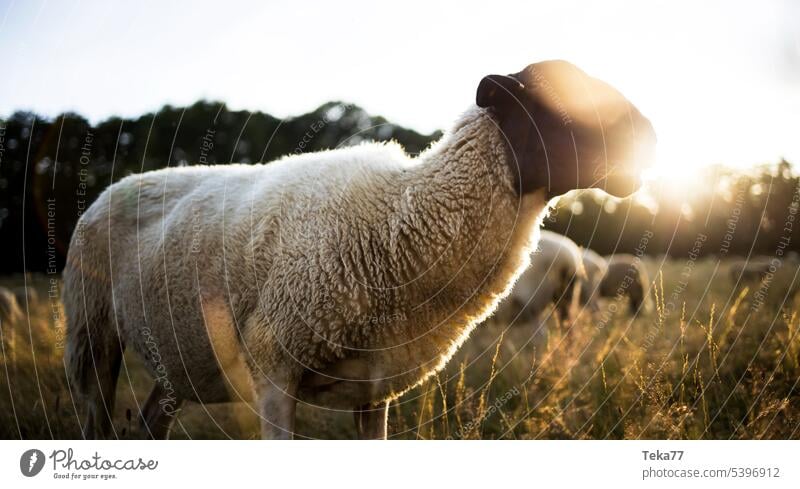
[[595, 267], [342, 278], [751, 271], [626, 276], [555, 276]]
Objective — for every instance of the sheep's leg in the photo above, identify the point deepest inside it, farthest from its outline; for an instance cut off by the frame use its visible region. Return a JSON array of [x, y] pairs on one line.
[[567, 300], [561, 311], [634, 305], [101, 392], [277, 400], [159, 412], [371, 420]]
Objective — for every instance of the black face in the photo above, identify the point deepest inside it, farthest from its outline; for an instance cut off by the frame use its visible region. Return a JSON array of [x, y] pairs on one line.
[[567, 130]]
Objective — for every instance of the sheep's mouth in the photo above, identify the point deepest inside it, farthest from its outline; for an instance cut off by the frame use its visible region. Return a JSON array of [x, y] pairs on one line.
[[619, 172], [617, 181]]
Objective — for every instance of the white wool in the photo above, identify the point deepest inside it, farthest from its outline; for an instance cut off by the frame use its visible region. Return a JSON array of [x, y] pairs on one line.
[[354, 273], [595, 266], [556, 275]]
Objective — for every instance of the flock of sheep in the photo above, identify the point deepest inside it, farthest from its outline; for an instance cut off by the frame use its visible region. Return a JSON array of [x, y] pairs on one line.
[[344, 278], [573, 279]]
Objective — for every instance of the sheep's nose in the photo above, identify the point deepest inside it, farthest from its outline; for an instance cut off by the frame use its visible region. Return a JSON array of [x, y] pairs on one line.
[[622, 185]]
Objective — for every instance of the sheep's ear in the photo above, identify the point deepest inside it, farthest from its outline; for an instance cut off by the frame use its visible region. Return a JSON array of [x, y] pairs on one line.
[[496, 90]]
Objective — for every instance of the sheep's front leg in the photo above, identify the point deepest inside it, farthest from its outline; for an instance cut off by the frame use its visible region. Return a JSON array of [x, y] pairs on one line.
[[277, 399], [371, 421]]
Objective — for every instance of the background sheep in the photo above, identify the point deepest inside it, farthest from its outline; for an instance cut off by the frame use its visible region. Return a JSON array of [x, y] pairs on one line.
[[343, 278], [556, 276], [749, 271], [595, 267], [626, 277]]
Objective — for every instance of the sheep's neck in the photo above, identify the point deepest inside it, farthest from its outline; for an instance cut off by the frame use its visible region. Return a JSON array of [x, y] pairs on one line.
[[460, 233]]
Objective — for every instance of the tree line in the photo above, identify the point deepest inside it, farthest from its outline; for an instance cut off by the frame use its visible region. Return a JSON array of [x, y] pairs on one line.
[[52, 169]]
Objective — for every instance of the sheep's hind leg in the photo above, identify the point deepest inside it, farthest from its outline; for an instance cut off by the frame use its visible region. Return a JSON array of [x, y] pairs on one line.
[[371, 420], [101, 391], [159, 412], [277, 400]]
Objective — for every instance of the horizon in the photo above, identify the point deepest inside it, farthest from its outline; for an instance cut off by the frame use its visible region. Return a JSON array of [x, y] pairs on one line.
[[648, 175], [720, 82]]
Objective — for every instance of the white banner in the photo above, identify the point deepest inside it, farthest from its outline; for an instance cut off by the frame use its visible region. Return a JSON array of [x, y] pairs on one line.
[[401, 464]]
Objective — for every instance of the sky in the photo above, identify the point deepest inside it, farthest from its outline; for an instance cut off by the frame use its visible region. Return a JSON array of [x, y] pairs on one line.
[[719, 80]]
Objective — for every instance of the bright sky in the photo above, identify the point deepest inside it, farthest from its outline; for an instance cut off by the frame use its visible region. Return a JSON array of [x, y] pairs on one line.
[[719, 80]]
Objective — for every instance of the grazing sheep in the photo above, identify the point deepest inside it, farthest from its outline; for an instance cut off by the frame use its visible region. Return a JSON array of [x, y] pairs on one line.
[[342, 278], [626, 277], [749, 271], [555, 276], [595, 267]]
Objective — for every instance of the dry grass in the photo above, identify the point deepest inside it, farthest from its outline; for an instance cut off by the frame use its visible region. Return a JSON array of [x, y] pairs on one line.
[[706, 364]]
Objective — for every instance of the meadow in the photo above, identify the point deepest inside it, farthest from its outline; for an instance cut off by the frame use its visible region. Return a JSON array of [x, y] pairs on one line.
[[713, 359]]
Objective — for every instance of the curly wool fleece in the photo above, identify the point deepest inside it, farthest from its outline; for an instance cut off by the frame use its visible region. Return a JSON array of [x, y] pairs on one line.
[[356, 273]]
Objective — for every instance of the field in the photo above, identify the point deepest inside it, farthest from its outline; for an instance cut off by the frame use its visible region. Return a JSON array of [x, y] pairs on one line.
[[710, 361]]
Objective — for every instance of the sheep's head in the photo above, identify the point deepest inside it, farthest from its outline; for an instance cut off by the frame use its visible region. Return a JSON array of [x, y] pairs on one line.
[[567, 130]]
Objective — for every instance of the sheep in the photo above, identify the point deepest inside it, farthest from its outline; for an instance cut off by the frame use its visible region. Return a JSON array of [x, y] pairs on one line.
[[626, 277], [595, 267], [339, 279], [743, 272], [555, 276]]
